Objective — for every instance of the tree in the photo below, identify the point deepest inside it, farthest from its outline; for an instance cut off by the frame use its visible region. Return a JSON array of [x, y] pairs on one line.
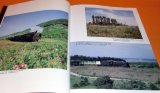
[[103, 82], [114, 21], [83, 81]]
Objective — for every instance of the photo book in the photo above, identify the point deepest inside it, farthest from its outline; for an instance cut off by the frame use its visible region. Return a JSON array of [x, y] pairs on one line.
[[50, 46]]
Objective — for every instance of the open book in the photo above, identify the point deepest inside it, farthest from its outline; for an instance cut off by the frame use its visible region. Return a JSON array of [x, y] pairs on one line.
[[49, 46]]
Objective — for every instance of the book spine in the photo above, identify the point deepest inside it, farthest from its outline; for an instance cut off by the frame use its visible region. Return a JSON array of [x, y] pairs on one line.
[[2, 13]]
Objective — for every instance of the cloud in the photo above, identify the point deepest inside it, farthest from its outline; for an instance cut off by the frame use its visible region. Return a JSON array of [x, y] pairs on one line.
[[113, 14], [37, 28]]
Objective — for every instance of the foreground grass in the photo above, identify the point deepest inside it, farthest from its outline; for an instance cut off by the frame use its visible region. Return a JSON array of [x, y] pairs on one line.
[[76, 83], [114, 31], [47, 53], [76, 80], [134, 73]]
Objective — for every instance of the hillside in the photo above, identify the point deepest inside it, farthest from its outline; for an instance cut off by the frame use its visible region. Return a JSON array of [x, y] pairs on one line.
[[55, 29], [49, 52], [52, 29], [54, 22]]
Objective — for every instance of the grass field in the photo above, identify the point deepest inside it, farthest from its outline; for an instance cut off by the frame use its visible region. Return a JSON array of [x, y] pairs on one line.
[[49, 52], [123, 78], [76, 80], [131, 32], [133, 73], [117, 84]]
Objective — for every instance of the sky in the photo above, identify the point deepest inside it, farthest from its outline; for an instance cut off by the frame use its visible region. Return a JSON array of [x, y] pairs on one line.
[[119, 50], [122, 16], [17, 23]]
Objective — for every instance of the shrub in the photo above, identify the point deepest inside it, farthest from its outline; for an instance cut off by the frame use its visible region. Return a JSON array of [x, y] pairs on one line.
[[103, 82], [122, 84], [132, 84], [75, 85], [83, 81], [138, 85], [158, 81], [153, 87]]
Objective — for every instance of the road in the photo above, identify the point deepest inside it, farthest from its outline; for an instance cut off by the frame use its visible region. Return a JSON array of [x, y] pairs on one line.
[[78, 75]]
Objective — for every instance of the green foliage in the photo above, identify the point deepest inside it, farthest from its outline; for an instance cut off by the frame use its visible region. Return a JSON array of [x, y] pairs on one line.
[[153, 87], [83, 81], [57, 31], [75, 86], [103, 82], [158, 81], [138, 85], [114, 31], [49, 52], [114, 21], [134, 85], [54, 22], [122, 84], [144, 64], [80, 82]]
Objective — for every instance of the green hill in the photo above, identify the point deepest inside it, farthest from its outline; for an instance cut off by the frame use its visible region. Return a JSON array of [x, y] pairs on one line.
[[64, 22], [49, 52], [51, 29], [55, 29]]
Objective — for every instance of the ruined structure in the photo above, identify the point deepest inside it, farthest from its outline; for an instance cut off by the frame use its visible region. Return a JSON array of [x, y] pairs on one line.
[[102, 20], [29, 37]]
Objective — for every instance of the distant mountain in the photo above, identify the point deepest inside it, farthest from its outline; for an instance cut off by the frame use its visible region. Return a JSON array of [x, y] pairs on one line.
[[139, 60]]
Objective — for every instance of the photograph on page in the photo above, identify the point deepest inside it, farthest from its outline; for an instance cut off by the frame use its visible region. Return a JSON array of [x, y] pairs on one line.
[[111, 23], [36, 39], [109, 49], [104, 23], [103, 65]]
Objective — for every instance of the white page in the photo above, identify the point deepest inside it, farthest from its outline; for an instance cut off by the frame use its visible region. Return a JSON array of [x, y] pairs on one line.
[[47, 72], [84, 44]]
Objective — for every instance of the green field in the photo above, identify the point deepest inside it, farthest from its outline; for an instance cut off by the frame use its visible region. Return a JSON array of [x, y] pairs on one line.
[[49, 52], [131, 32], [147, 74], [138, 77], [86, 82]]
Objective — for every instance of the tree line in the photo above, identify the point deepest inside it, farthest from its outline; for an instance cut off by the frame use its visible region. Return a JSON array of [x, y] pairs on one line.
[[88, 58]]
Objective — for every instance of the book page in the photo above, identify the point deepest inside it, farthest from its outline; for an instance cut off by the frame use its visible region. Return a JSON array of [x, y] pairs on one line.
[[110, 52], [34, 47]]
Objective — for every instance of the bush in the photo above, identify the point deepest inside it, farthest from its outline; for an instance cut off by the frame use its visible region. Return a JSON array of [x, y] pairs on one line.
[[138, 85], [158, 81], [122, 84], [75, 85], [83, 81], [153, 87], [103, 82], [132, 84]]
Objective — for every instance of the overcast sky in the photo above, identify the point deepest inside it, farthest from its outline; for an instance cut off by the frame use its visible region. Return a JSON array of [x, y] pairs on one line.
[[122, 16], [120, 50], [16, 23]]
